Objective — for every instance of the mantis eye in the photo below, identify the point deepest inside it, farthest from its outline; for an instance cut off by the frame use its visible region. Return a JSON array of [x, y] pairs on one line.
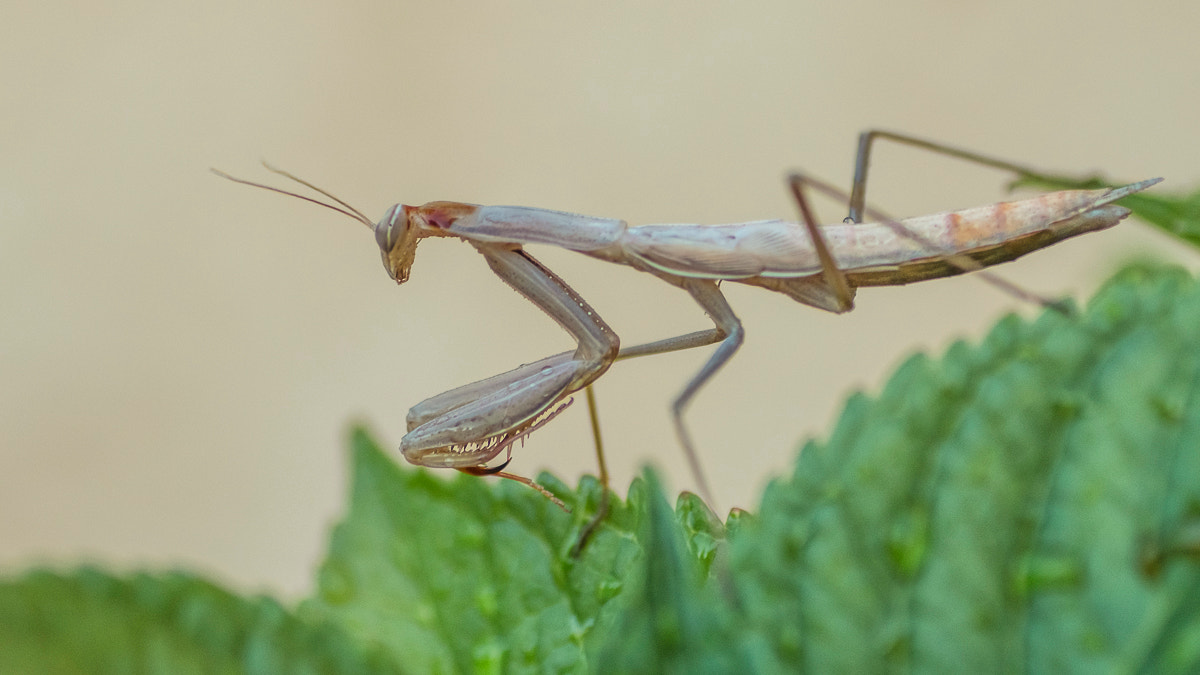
[[390, 229], [397, 241]]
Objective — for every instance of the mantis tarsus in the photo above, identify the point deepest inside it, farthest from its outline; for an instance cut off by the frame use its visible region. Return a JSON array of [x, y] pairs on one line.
[[467, 427]]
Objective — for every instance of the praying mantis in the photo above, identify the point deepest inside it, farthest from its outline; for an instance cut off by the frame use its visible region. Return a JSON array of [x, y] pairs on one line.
[[468, 427]]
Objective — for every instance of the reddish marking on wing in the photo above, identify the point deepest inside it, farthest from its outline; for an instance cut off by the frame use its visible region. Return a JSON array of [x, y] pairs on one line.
[[956, 232], [443, 214], [973, 230], [1000, 219]]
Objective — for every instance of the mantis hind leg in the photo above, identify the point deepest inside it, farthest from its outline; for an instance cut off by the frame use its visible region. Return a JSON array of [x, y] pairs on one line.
[[729, 333], [862, 161], [963, 262]]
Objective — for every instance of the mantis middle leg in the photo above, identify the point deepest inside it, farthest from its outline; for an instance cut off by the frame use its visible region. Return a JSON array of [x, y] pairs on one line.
[[829, 291]]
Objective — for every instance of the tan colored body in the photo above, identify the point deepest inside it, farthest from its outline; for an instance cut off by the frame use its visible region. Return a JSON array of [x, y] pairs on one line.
[[469, 426]]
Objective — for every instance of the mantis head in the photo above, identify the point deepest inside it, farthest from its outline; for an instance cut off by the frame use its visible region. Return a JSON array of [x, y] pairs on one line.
[[397, 237], [398, 232]]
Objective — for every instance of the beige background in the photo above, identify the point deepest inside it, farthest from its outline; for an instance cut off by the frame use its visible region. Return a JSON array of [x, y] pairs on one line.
[[181, 356]]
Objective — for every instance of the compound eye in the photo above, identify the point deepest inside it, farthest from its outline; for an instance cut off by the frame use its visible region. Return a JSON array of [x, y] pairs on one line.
[[390, 227], [381, 236]]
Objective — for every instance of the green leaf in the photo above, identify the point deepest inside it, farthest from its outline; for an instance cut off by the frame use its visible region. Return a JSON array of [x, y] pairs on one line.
[[90, 621], [1031, 503], [672, 622], [996, 511], [469, 576]]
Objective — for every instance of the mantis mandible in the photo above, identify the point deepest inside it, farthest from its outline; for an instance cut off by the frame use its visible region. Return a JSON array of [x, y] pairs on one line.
[[468, 427]]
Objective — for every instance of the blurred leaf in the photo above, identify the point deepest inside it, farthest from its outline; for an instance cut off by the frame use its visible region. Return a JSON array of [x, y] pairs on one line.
[[996, 511], [93, 622], [1028, 504], [673, 623], [466, 575]]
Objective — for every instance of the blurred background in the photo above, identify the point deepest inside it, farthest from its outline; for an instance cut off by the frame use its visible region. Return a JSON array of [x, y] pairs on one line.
[[181, 357]]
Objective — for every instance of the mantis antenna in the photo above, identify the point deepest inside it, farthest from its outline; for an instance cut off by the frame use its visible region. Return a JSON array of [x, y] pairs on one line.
[[347, 211]]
